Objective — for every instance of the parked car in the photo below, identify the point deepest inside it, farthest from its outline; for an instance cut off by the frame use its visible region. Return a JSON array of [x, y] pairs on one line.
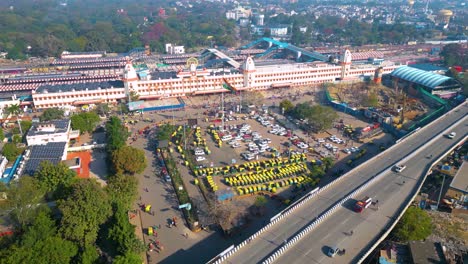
[[200, 158]]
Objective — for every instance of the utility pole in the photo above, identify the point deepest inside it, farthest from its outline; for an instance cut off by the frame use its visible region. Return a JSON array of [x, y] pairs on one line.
[[222, 111], [19, 124]]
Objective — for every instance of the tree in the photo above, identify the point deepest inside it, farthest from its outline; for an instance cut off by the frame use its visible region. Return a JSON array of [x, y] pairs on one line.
[[165, 131], [11, 151], [15, 139], [83, 211], [117, 134], [2, 135], [52, 114], [122, 190], [415, 224], [122, 233], [134, 96], [129, 160], [56, 179], [328, 163], [321, 118], [40, 243], [454, 54], [85, 122], [13, 110], [102, 109], [286, 105], [129, 258], [24, 200], [25, 125], [260, 201]]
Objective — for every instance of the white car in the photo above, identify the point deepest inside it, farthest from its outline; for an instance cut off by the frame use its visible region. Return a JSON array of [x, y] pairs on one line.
[[452, 135], [200, 158], [293, 138], [236, 145], [347, 151], [400, 168], [321, 140]]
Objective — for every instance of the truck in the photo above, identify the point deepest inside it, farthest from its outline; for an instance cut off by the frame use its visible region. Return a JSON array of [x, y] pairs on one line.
[[362, 204]]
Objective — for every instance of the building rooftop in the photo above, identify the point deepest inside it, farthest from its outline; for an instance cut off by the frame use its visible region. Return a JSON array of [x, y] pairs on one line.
[[421, 77], [50, 127], [428, 67], [52, 151], [424, 252], [460, 180], [53, 88]]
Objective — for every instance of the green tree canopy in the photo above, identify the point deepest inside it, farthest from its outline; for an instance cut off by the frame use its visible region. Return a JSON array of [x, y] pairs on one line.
[[52, 114], [454, 54], [25, 125], [85, 122], [56, 179], [129, 258], [129, 160], [317, 117], [116, 133], [40, 243], [83, 211], [122, 233], [2, 134], [122, 189], [260, 201], [11, 151], [415, 224], [165, 131], [25, 198], [286, 105], [13, 109]]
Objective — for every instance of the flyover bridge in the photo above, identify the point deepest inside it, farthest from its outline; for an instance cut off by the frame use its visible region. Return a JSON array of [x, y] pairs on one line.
[[273, 45], [324, 219], [222, 57]]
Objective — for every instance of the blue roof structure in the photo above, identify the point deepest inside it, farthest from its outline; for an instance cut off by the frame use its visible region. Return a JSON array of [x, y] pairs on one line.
[[421, 77]]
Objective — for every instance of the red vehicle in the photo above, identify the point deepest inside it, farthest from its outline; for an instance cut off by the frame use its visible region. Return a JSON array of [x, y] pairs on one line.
[[362, 204]]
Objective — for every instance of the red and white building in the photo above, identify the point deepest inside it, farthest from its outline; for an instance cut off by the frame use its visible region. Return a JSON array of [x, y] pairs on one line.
[[195, 81]]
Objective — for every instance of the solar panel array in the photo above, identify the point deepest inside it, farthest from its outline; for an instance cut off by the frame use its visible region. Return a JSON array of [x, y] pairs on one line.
[[52, 152]]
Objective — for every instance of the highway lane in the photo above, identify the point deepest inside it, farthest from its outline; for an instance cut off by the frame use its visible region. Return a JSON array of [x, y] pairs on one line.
[[391, 191], [258, 249]]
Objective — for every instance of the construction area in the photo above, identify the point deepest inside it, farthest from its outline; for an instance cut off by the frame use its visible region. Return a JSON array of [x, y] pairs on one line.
[[395, 107]]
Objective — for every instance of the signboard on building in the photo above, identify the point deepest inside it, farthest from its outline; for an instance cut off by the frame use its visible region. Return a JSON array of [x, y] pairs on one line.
[[137, 105]]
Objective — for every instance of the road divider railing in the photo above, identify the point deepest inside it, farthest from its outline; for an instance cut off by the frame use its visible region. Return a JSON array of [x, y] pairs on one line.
[[325, 215], [405, 206], [317, 191], [318, 220], [231, 250]]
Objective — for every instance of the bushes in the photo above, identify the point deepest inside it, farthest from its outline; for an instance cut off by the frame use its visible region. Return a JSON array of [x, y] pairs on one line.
[[182, 194]]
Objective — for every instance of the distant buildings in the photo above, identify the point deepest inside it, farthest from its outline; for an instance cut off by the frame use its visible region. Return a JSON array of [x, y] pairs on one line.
[[82, 55], [173, 49]]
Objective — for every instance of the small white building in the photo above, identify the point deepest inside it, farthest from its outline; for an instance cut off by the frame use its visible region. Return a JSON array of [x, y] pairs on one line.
[[172, 49], [3, 164], [279, 30], [52, 131]]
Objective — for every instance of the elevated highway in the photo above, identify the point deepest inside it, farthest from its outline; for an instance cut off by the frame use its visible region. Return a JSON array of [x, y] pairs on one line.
[[391, 190]]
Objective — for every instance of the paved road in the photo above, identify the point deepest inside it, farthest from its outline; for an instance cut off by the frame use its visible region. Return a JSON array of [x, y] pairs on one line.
[[328, 232]]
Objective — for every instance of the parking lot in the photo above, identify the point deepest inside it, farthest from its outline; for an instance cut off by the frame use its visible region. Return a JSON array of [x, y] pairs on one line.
[[292, 140]]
